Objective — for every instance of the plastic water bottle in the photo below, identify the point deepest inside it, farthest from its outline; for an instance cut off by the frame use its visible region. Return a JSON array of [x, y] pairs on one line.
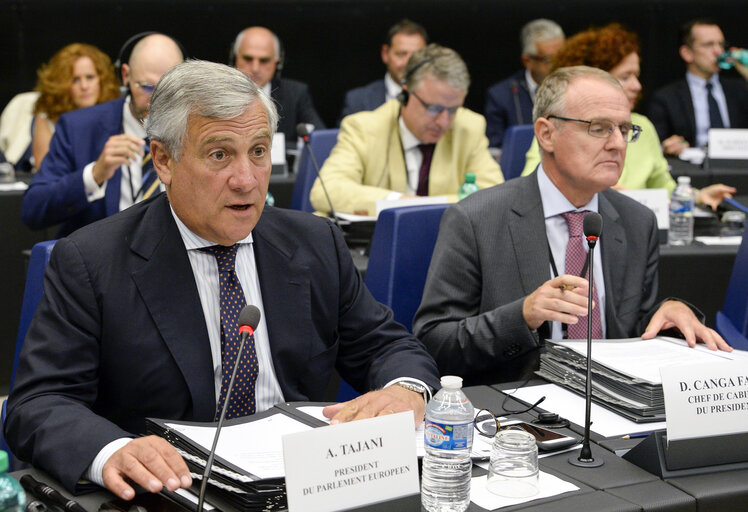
[[269, 199], [12, 497], [468, 187], [739, 55], [681, 213], [448, 436]]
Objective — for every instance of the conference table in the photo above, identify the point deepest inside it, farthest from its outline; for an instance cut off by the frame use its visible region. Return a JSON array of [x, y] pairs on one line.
[[617, 485]]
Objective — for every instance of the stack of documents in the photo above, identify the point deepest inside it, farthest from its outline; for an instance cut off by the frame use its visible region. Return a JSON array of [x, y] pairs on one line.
[[248, 468], [625, 373]]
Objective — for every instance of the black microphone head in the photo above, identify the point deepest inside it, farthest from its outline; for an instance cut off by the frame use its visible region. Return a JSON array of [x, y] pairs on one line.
[[593, 224], [304, 129], [250, 316]]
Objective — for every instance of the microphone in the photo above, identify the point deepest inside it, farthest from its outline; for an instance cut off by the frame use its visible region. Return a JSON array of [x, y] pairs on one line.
[[592, 226], [249, 318], [303, 130]]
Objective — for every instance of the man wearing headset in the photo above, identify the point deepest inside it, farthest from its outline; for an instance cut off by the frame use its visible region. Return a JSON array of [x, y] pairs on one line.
[[423, 143], [257, 52], [96, 157]]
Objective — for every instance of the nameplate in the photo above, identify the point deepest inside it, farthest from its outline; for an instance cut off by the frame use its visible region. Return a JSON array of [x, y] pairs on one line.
[[705, 399], [278, 149], [352, 464], [728, 144], [656, 199]]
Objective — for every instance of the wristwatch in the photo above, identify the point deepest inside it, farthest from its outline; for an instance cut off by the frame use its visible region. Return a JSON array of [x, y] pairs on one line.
[[418, 388]]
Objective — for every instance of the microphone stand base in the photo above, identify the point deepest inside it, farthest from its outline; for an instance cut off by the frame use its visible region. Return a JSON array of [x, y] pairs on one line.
[[585, 463]]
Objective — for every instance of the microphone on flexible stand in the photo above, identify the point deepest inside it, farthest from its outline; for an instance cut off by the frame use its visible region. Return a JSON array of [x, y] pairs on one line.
[[249, 318], [303, 130], [593, 226]]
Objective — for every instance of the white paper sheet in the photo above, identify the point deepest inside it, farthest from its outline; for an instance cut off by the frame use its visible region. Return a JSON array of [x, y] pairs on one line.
[[550, 485]]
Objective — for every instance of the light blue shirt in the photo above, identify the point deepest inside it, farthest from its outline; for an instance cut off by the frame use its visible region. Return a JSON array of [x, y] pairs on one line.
[[697, 87], [554, 204]]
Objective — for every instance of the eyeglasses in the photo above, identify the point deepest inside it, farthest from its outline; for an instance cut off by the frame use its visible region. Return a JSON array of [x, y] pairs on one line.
[[545, 60], [604, 128], [147, 88], [435, 110]]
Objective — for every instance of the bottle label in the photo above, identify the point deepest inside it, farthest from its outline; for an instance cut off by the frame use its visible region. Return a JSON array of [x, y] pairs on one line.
[[684, 207], [448, 436]]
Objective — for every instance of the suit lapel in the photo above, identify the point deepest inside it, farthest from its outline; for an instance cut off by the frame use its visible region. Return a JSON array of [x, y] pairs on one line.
[[686, 106], [166, 273], [613, 240], [109, 126], [396, 159]]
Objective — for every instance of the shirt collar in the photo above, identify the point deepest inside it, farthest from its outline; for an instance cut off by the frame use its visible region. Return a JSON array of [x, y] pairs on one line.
[[407, 138], [130, 125], [268, 88], [695, 81], [194, 242], [554, 202], [532, 86], [392, 88]]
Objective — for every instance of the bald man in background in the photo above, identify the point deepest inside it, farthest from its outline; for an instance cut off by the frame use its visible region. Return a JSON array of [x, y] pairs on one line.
[[257, 53], [95, 163]]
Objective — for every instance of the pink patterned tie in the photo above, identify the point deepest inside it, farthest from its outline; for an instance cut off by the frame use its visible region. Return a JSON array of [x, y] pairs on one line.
[[242, 402], [427, 151], [576, 256]]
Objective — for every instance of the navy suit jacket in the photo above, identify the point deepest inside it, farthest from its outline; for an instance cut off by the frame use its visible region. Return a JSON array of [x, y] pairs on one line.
[[671, 108], [507, 103], [120, 333], [56, 194], [295, 106], [367, 97]]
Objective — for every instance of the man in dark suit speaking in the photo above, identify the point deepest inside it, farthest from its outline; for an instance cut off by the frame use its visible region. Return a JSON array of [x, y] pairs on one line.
[[139, 314], [501, 278]]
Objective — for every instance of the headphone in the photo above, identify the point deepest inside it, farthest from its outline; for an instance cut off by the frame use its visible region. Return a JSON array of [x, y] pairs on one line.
[[404, 95], [281, 57], [123, 57]]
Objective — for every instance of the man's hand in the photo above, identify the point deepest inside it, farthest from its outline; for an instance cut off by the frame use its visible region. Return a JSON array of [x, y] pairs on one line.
[[148, 461], [389, 400], [673, 313], [561, 299], [714, 194], [674, 145], [118, 150]]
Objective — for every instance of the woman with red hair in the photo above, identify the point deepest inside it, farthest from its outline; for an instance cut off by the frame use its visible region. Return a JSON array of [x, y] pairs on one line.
[[616, 50], [79, 75]]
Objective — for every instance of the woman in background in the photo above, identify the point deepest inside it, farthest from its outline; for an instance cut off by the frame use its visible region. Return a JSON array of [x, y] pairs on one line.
[[616, 50], [79, 75]]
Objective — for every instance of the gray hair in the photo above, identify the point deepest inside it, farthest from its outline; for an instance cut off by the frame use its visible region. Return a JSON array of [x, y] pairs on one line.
[[441, 63], [205, 89], [240, 36], [551, 94], [538, 30]]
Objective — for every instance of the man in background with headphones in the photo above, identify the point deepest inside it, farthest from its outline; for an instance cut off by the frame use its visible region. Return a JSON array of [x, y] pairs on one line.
[[420, 144], [402, 40], [97, 163], [510, 101], [257, 52]]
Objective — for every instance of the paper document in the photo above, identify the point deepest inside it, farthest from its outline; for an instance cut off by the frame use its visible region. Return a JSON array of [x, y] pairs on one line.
[[549, 485]]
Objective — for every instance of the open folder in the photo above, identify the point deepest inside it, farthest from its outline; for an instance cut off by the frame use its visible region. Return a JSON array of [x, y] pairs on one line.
[[247, 471]]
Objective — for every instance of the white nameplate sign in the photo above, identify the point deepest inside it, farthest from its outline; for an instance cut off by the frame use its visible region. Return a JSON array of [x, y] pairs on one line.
[[278, 149], [352, 464], [728, 143], [656, 199], [705, 399]]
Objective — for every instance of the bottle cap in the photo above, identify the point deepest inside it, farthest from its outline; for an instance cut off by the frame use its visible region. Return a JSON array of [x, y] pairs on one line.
[[451, 382], [3, 462], [470, 177], [684, 179]]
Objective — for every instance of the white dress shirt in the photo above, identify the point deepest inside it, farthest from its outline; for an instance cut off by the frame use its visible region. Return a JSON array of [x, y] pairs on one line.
[[391, 88], [697, 87]]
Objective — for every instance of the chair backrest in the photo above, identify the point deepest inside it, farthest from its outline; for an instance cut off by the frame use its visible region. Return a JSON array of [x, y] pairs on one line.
[[32, 295], [400, 255], [735, 309], [517, 141], [321, 143]]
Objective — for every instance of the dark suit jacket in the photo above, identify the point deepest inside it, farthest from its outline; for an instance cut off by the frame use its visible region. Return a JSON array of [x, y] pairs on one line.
[[294, 106], [56, 194], [367, 97], [671, 108], [492, 252], [502, 102], [120, 333]]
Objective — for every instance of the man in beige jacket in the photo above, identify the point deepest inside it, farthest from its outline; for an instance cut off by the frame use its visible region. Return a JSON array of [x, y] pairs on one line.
[[421, 144]]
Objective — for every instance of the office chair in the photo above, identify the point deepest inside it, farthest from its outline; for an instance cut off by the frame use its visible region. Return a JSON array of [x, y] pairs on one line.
[[321, 143], [400, 255], [517, 141], [732, 321], [32, 295]]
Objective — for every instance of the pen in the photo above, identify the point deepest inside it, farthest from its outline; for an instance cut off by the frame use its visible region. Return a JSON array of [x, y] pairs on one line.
[[636, 436], [42, 491]]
